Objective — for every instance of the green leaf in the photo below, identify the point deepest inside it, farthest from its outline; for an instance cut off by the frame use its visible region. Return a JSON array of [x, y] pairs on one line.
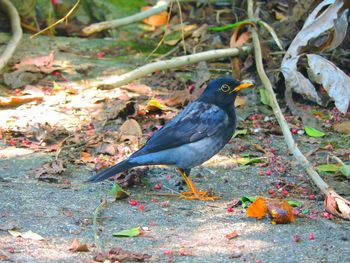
[[264, 98], [247, 199], [312, 132], [332, 168], [247, 160], [240, 132], [118, 192], [132, 232], [226, 27], [345, 170], [305, 211], [294, 203]]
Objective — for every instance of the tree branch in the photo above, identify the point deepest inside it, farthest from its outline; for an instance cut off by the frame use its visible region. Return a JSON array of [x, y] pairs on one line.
[[334, 203], [9, 8], [98, 27], [168, 64]]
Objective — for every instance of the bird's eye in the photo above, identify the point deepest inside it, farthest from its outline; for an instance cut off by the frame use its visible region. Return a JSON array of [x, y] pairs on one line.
[[225, 88]]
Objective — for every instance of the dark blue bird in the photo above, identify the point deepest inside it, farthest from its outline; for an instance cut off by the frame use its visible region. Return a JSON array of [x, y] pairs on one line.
[[192, 137]]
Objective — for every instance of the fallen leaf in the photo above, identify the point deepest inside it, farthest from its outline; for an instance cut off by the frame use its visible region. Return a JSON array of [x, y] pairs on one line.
[[248, 160], [155, 105], [15, 101], [264, 98], [232, 235], [130, 130], [239, 132], [76, 246], [118, 192], [312, 132], [26, 235], [107, 148], [333, 80], [120, 255], [49, 171], [138, 88], [132, 232], [41, 61], [86, 157], [157, 19], [342, 127], [323, 30], [327, 168]]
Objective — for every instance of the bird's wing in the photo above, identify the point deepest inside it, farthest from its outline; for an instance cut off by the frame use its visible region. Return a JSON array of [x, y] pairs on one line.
[[197, 121]]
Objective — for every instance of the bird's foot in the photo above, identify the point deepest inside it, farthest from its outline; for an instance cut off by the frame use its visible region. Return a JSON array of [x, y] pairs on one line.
[[199, 195]]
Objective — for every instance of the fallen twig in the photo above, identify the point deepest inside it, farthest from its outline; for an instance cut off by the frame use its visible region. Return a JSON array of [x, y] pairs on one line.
[[98, 27], [334, 203], [94, 223], [168, 64], [9, 8]]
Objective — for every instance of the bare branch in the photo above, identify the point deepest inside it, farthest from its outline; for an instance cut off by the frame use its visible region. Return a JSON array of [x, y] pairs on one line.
[[98, 27], [9, 8], [168, 64]]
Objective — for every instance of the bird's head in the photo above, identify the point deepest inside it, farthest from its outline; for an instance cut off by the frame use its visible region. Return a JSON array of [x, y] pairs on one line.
[[223, 91]]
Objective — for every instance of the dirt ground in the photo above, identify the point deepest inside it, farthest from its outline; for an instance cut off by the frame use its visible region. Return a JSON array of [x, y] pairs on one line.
[[175, 230], [193, 231]]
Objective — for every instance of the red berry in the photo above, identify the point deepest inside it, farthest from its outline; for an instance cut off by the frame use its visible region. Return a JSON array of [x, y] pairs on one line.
[[326, 215], [268, 172], [311, 236], [168, 252], [271, 191], [142, 207], [254, 117], [91, 126], [18, 91], [11, 250], [294, 131], [157, 187], [154, 200], [12, 142], [285, 192], [312, 197], [133, 202], [229, 209]]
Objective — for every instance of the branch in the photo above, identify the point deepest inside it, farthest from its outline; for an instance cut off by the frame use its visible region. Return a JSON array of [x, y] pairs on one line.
[[98, 27], [94, 224], [334, 203], [9, 8], [168, 64]]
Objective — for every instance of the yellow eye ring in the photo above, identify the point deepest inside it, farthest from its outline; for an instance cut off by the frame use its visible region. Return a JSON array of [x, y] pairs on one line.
[[225, 88]]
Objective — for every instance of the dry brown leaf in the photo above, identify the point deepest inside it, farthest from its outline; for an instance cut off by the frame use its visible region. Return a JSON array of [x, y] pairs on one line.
[[333, 80], [42, 61], [76, 246], [86, 157], [121, 255], [138, 88], [15, 101], [49, 171], [130, 130], [324, 29], [343, 127], [157, 19], [232, 235], [107, 148]]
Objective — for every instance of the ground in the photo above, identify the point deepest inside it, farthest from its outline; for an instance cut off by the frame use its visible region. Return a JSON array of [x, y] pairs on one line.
[[174, 229]]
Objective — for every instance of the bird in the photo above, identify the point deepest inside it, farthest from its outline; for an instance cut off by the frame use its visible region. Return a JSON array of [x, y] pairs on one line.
[[192, 137]]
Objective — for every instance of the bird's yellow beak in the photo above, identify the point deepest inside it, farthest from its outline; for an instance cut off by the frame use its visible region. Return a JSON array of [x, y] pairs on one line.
[[243, 86]]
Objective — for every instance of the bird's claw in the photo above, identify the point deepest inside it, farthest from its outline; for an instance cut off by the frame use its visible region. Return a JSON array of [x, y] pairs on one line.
[[199, 195]]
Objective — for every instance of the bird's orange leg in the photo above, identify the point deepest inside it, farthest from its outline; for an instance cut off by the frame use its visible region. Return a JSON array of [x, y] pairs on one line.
[[194, 193]]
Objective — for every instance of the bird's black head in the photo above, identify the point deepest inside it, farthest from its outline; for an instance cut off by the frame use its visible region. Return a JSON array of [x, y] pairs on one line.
[[223, 91]]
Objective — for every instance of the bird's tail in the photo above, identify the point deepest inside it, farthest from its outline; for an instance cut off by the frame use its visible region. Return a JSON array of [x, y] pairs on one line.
[[118, 168]]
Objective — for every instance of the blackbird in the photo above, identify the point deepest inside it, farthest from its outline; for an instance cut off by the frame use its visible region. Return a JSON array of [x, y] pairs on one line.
[[192, 137]]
